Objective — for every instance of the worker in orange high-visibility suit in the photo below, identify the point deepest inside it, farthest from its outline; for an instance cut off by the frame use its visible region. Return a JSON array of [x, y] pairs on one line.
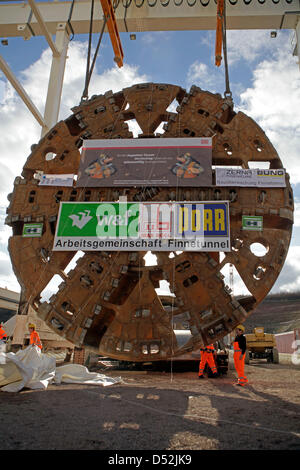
[[207, 357], [239, 350], [34, 336], [3, 335]]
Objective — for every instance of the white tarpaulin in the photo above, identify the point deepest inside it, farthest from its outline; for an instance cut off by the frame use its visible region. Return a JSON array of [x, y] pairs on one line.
[[32, 369]]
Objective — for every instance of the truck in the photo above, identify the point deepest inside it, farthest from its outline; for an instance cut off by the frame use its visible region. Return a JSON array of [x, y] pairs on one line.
[[261, 345]]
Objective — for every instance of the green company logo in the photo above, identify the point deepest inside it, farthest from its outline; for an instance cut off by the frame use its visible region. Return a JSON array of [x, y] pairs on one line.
[[102, 220], [80, 219]]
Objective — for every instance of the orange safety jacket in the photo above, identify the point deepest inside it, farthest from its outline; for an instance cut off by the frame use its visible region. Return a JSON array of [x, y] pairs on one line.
[[35, 339], [2, 333]]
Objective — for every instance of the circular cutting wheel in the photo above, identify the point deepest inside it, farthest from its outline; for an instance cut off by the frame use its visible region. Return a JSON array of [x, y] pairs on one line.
[[108, 302]]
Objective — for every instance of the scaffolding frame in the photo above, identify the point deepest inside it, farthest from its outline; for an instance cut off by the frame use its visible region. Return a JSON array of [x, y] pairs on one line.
[[68, 18]]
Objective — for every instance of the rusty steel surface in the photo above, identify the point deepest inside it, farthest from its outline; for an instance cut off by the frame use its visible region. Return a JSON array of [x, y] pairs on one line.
[[108, 302]]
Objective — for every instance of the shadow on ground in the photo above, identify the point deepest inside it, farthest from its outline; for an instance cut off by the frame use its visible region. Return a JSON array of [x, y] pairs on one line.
[[150, 412]]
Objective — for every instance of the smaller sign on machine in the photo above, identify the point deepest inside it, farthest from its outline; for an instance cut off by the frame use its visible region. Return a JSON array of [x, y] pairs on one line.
[[250, 177], [252, 222], [32, 230], [56, 180]]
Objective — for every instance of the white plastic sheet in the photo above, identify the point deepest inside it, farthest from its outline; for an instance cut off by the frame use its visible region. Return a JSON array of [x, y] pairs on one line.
[[32, 369], [75, 373]]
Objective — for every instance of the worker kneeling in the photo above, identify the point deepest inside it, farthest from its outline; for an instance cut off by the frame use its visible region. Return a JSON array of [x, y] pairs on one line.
[[3, 335], [207, 357], [3, 339], [34, 336]]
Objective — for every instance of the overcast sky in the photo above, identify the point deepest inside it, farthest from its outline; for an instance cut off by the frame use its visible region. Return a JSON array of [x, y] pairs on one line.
[[264, 78]]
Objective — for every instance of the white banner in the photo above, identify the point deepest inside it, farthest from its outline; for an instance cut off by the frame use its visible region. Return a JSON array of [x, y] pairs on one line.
[[271, 178], [56, 180], [250, 177]]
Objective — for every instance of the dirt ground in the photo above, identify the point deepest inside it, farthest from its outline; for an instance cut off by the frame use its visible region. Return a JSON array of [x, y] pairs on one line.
[[159, 411]]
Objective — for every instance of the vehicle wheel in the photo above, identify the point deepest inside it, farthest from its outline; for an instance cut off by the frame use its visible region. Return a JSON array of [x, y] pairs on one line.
[[275, 356], [247, 357]]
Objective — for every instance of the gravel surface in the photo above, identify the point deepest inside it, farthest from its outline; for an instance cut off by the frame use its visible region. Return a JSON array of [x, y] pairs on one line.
[[159, 411]]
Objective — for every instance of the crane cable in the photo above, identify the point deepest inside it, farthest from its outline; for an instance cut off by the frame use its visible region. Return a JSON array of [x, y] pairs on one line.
[[85, 91], [221, 41], [227, 93], [89, 70]]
